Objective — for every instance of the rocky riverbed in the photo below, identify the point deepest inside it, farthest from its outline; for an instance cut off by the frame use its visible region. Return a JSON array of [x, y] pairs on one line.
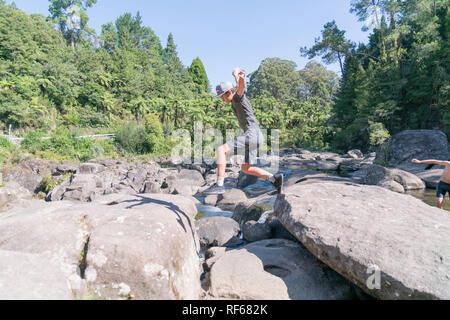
[[345, 227]]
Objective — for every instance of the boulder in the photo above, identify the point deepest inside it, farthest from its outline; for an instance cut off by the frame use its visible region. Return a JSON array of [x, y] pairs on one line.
[[23, 176], [111, 248], [155, 255], [350, 165], [263, 187], [391, 185], [252, 209], [393, 246], [318, 163], [375, 175], [431, 177], [39, 167], [57, 193], [401, 148], [186, 182], [82, 187], [355, 154], [311, 176], [21, 280], [210, 179], [245, 180], [216, 231], [11, 193], [254, 231], [104, 177], [136, 178], [275, 269], [49, 236], [228, 200], [65, 169], [278, 231], [212, 255], [211, 200], [90, 168], [354, 164], [322, 165], [238, 274], [151, 187], [193, 176]]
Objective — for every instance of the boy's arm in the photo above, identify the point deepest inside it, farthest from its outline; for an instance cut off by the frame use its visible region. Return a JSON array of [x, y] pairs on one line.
[[239, 76], [432, 161]]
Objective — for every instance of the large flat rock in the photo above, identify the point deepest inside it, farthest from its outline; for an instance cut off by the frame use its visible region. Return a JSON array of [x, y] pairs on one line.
[[20, 279], [276, 269], [144, 243], [115, 247], [359, 230]]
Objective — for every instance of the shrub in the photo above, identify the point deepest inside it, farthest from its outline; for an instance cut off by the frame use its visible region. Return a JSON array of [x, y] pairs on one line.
[[132, 138], [5, 143], [154, 134], [62, 143], [8, 151], [33, 141], [47, 185], [378, 134], [96, 151], [108, 147]]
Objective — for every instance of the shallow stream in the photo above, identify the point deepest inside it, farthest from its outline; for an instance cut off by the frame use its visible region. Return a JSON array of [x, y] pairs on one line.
[[428, 196]]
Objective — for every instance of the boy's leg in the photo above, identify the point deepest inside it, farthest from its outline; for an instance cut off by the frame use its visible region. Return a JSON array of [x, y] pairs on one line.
[[219, 188], [222, 152], [255, 171], [440, 194], [276, 180], [440, 202]]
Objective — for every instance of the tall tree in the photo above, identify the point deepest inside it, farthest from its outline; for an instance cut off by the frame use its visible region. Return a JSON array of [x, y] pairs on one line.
[[171, 56], [71, 17], [198, 74], [373, 13], [318, 82], [332, 47], [276, 78]]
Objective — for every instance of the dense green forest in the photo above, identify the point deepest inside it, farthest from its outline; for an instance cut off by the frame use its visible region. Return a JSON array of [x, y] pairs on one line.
[[60, 78], [397, 81]]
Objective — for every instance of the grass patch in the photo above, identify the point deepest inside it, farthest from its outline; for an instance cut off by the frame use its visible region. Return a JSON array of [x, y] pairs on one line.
[[46, 186]]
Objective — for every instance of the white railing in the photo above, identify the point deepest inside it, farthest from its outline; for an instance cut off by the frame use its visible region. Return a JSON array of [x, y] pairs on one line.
[[13, 139]]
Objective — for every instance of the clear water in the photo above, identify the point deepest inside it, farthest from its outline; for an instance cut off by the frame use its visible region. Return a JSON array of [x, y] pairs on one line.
[[429, 197], [204, 211]]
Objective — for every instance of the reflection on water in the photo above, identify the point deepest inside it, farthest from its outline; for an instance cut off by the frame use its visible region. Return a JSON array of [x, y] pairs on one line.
[[429, 197], [204, 211]]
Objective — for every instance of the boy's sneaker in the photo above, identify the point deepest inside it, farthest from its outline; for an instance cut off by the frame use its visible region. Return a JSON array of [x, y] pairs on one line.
[[215, 189], [278, 182]]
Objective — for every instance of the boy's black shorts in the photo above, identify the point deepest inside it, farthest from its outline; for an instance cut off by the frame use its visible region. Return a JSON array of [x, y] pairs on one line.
[[442, 189], [249, 144]]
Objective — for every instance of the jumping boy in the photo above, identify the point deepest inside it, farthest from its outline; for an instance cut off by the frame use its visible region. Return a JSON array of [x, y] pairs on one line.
[[250, 140], [444, 184]]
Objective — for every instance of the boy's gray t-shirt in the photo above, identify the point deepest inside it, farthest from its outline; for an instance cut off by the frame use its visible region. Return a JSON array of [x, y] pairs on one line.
[[244, 112]]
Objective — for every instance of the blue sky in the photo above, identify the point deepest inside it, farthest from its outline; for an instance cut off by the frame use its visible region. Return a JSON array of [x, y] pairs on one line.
[[226, 34]]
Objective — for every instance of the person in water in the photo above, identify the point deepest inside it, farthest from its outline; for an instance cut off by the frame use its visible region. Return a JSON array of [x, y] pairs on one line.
[[444, 184], [251, 139]]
